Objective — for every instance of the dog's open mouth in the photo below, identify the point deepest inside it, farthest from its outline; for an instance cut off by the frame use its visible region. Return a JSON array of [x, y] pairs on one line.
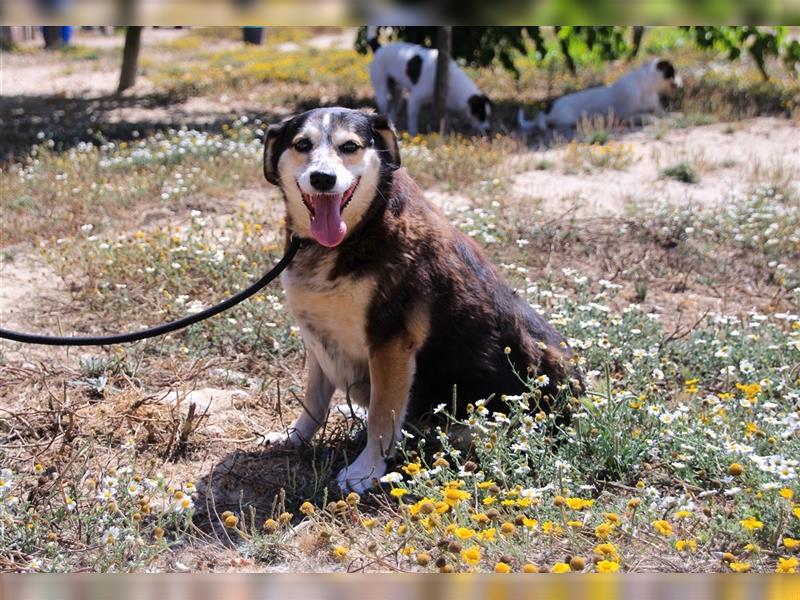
[[327, 226]]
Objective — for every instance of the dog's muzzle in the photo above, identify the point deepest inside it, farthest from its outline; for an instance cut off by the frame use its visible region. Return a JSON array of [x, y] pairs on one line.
[[325, 209]]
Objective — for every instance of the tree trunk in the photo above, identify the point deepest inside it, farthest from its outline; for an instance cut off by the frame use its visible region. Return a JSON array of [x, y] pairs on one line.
[[253, 35], [130, 58], [564, 45], [52, 37], [638, 33], [444, 43]]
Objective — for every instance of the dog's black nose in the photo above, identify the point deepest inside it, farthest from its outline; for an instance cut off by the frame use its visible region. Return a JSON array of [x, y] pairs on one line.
[[323, 181]]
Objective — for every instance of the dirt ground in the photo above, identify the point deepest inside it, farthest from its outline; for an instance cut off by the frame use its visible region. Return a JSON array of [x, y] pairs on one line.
[[728, 156]]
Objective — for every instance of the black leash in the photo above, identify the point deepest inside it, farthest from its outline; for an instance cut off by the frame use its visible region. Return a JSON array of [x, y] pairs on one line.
[[28, 338]]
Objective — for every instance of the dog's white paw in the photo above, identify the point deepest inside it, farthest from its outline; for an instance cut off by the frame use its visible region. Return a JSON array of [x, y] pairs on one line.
[[290, 437], [362, 474]]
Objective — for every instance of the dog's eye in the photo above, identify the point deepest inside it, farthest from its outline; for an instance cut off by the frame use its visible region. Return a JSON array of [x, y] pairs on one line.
[[302, 146], [349, 147]]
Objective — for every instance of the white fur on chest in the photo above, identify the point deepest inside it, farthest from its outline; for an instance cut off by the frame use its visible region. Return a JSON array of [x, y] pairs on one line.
[[332, 316]]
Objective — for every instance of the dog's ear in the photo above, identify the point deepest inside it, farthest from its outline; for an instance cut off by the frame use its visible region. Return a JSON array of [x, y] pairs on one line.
[[666, 68], [386, 138], [273, 147]]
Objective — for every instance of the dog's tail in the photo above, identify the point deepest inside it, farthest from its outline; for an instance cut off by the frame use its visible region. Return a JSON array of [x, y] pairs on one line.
[[540, 122], [372, 37]]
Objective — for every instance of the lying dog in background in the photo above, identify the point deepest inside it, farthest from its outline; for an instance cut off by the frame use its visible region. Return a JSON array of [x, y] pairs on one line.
[[634, 94], [397, 67], [395, 306]]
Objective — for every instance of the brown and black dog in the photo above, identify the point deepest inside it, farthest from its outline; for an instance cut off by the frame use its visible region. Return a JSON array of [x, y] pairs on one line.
[[395, 306]]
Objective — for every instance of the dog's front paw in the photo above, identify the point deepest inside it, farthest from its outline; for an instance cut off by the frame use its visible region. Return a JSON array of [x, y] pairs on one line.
[[362, 475], [290, 437]]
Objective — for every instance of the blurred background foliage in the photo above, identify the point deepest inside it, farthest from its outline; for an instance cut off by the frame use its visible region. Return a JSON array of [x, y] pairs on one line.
[[481, 46]]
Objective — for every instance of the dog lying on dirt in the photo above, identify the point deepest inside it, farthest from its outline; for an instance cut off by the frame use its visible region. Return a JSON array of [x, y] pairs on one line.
[[395, 306], [634, 94]]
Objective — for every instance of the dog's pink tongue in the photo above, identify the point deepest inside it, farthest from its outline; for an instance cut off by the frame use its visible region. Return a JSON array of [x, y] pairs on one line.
[[327, 226]]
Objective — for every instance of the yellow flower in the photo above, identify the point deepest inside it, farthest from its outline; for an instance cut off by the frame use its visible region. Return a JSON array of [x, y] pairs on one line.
[[231, 521], [270, 526], [607, 550], [453, 496], [735, 469], [502, 567], [787, 565], [307, 508], [369, 523], [398, 492], [682, 545], [786, 493], [751, 523], [425, 506], [578, 503], [485, 485], [464, 533], [662, 527], [471, 555], [487, 535], [612, 518], [529, 523], [791, 543], [560, 567], [339, 552], [507, 528], [412, 469], [740, 567], [751, 390], [530, 568], [603, 530], [549, 528], [607, 566], [480, 518], [489, 500], [796, 511], [575, 524], [577, 563], [683, 514]]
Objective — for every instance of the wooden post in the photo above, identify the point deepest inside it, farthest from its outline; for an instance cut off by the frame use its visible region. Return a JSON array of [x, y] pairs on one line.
[[130, 58], [636, 40], [444, 44]]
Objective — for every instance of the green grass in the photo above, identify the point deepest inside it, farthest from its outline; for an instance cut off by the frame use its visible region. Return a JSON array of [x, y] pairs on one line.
[[682, 172]]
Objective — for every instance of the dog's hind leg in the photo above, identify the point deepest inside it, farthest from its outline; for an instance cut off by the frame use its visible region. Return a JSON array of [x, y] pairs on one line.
[[319, 391]]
